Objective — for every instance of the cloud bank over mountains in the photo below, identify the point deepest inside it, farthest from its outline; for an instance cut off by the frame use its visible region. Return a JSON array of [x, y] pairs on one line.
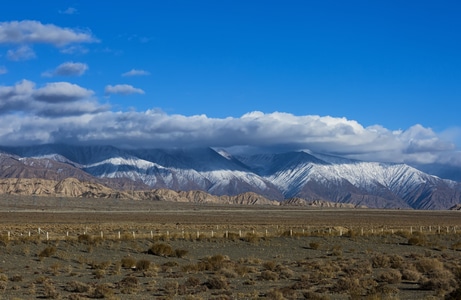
[[65, 112]]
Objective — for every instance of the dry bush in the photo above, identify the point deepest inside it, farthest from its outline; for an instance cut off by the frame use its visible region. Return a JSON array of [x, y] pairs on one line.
[[284, 272], [337, 250], [217, 283], [214, 263], [47, 252], [391, 276], [16, 278], [348, 285], [85, 239], [142, 264], [77, 287], [103, 290], [49, 290], [270, 265], [426, 265], [228, 273], [190, 268], [192, 282], [251, 238], [456, 246], [161, 249], [171, 288], [411, 275], [381, 261], [129, 285], [180, 253], [417, 239], [269, 275], [128, 262], [396, 261], [314, 245]]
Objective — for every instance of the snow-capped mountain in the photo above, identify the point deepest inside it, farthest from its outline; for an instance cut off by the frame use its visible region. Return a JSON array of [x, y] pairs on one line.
[[275, 176]]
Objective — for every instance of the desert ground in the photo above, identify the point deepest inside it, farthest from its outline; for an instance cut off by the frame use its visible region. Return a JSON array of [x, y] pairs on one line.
[[68, 248]]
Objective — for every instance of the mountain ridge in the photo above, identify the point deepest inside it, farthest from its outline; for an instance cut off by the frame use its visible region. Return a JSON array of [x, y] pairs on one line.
[[279, 177]]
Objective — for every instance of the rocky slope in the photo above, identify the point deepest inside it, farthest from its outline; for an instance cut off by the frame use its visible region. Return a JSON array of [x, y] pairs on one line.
[[310, 176]]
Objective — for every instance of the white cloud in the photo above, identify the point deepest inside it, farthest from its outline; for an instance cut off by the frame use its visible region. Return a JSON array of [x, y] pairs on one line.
[[134, 72], [122, 89], [28, 31], [3, 70], [82, 120], [55, 99], [61, 92], [74, 49], [21, 53], [69, 11], [62, 111], [68, 69]]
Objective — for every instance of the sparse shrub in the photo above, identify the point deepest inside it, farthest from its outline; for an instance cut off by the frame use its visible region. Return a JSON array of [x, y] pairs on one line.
[[47, 252], [410, 275], [348, 285], [85, 239], [380, 261], [77, 287], [49, 290], [269, 275], [217, 283], [426, 265], [142, 264], [396, 261], [270, 265], [171, 288], [391, 276], [251, 238], [180, 253], [417, 239], [129, 285], [192, 282], [337, 250], [16, 278], [314, 245], [228, 273], [128, 262], [103, 290], [161, 249]]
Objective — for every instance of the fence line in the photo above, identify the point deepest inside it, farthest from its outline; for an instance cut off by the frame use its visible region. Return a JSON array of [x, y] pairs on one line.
[[182, 233]]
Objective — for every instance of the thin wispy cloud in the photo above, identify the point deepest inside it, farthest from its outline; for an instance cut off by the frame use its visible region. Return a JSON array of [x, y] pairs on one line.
[[28, 31], [20, 54], [67, 69], [122, 89], [69, 11], [3, 70], [135, 72]]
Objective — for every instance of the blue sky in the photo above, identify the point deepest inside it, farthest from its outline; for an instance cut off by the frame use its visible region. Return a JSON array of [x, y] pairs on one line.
[[364, 79]]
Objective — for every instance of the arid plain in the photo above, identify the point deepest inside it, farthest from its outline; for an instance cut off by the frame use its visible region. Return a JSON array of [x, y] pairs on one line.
[[69, 248]]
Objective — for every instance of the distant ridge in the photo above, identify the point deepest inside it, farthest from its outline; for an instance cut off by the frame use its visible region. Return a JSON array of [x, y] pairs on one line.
[[272, 177]]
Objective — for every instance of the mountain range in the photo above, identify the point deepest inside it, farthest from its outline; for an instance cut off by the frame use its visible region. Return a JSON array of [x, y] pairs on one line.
[[281, 177]]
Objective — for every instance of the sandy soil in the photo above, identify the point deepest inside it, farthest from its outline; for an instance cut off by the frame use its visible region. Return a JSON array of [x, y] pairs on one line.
[[187, 251]]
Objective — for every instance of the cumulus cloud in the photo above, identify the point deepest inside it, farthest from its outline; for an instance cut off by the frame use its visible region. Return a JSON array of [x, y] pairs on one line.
[[28, 31], [21, 53], [122, 89], [67, 69], [276, 131], [56, 92], [134, 72], [57, 99]]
